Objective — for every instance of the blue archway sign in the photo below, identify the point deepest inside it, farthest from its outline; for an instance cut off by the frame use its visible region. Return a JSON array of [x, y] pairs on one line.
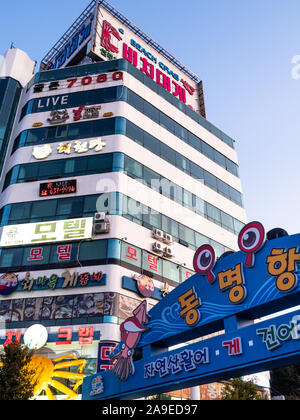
[[227, 296]]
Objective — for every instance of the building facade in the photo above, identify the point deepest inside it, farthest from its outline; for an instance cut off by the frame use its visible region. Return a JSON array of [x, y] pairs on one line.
[[112, 177]]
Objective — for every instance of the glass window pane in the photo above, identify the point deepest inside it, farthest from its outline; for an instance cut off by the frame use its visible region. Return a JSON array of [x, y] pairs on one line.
[[208, 151], [227, 221], [210, 180], [201, 239], [133, 168], [136, 101], [213, 213], [167, 123], [135, 133], [43, 209], [53, 168], [20, 212], [171, 271], [196, 171], [152, 179], [89, 207], [181, 132], [151, 112], [170, 226], [152, 144], [28, 172], [220, 159], [182, 163], [95, 250], [187, 235], [195, 142]]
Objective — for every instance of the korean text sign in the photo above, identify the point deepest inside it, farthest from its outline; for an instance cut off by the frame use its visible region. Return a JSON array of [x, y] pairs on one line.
[[47, 232]]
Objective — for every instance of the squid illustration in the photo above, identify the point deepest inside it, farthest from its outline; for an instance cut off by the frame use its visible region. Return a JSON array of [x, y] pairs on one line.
[[131, 331], [107, 31]]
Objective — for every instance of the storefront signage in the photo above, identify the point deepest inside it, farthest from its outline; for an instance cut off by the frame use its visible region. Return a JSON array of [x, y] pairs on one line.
[[75, 82], [77, 146], [36, 336], [156, 293], [104, 351], [226, 295], [58, 188], [66, 280], [47, 232], [78, 114]]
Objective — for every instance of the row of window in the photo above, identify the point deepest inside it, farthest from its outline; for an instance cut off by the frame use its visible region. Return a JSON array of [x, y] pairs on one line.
[[112, 94], [120, 125], [124, 65], [113, 162], [112, 203], [100, 252]]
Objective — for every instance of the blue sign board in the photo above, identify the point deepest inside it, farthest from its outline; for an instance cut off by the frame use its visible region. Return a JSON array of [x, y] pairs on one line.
[[227, 296]]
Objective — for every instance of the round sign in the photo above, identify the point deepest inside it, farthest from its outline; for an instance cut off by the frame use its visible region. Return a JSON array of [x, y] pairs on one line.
[[145, 286], [8, 284], [204, 261], [35, 337], [250, 240]]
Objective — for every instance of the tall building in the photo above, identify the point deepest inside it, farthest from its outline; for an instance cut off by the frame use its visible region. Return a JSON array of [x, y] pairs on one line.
[[112, 177]]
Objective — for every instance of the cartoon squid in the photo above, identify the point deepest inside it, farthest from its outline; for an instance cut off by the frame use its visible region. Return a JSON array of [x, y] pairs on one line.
[[131, 331]]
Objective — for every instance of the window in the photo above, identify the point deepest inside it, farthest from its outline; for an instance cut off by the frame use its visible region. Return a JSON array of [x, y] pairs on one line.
[[43, 209], [151, 144], [168, 154], [135, 133], [88, 251], [28, 172], [210, 180], [49, 169], [197, 172], [136, 101], [152, 179], [187, 235], [167, 123], [133, 168], [182, 163], [171, 271], [151, 112], [227, 221], [20, 212], [213, 214], [170, 226]]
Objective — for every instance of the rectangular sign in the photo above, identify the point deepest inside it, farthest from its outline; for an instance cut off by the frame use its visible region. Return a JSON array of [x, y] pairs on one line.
[[58, 188], [47, 232]]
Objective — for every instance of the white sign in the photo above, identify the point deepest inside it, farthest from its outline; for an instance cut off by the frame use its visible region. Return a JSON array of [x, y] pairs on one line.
[[47, 232], [36, 337]]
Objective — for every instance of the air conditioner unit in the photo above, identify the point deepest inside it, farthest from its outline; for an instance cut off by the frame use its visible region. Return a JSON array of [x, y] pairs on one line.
[[158, 234], [157, 247], [101, 227], [99, 217], [168, 252], [168, 239]]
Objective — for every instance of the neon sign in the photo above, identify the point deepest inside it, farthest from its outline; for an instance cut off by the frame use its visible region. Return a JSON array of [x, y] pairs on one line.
[[226, 295]]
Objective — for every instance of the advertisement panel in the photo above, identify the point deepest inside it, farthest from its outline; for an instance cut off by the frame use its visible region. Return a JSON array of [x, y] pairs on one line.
[[108, 35], [47, 232]]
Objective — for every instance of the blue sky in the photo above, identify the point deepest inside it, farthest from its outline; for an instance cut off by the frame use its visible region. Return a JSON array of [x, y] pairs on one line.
[[243, 51]]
